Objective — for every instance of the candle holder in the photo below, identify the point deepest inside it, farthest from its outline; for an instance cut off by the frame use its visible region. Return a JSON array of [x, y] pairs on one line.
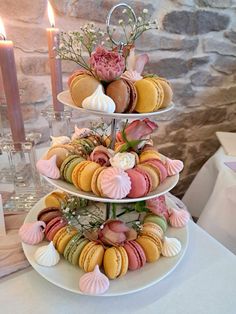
[[58, 121], [21, 177]]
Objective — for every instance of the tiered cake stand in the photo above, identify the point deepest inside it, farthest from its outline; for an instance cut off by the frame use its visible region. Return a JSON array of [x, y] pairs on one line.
[[67, 276]]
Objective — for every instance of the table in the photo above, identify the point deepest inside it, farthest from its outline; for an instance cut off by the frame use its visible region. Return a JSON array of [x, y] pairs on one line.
[[212, 198], [204, 282]]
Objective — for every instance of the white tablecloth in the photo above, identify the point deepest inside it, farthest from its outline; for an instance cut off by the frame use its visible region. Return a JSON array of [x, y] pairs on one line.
[[212, 198], [203, 283]]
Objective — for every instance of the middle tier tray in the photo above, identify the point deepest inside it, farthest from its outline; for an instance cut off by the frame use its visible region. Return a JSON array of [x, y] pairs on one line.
[[163, 188], [65, 98]]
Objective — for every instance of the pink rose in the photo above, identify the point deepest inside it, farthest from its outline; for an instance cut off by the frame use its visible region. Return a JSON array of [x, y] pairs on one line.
[[107, 65], [115, 232], [158, 206], [137, 130], [101, 155]]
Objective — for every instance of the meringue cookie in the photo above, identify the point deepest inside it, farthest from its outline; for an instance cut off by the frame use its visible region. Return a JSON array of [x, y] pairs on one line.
[[48, 167], [98, 101], [131, 75], [32, 233], [173, 166], [171, 247], [58, 140], [47, 255], [124, 161], [80, 133], [178, 218], [94, 282]]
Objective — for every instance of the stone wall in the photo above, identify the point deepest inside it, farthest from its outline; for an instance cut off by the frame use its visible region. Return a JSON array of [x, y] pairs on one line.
[[195, 49]]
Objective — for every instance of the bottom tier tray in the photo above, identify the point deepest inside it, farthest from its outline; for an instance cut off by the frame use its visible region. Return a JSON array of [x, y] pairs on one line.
[[67, 276]]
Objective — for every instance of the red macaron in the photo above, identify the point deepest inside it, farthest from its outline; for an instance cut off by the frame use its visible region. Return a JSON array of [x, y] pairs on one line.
[[53, 226], [140, 182], [136, 255]]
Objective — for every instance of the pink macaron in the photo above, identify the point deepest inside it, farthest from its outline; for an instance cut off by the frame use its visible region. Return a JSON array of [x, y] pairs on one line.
[[159, 166], [53, 226], [140, 183], [136, 255]]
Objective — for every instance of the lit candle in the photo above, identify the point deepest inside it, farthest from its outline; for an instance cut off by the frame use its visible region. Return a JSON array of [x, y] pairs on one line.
[[10, 84], [55, 64]]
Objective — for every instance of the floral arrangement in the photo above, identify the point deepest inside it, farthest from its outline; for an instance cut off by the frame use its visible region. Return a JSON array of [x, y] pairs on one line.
[[92, 48]]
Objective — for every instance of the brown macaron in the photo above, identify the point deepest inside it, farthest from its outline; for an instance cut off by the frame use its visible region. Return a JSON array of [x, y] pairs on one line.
[[48, 213], [133, 97], [119, 91]]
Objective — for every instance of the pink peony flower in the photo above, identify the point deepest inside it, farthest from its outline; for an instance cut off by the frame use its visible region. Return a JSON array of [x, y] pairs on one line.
[[107, 65], [158, 206], [137, 130], [102, 155], [115, 232]]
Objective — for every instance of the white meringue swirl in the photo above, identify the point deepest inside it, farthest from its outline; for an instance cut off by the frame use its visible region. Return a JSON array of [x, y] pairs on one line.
[[171, 247], [47, 255]]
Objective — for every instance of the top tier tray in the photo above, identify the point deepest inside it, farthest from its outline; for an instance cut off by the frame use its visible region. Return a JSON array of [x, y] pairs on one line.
[[65, 98]]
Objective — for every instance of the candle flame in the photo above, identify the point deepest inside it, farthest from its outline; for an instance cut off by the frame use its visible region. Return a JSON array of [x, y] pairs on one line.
[[51, 15], [2, 29]]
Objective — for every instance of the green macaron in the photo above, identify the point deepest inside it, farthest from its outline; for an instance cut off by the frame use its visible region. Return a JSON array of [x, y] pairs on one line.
[[70, 167], [74, 248], [72, 244], [158, 220], [65, 162]]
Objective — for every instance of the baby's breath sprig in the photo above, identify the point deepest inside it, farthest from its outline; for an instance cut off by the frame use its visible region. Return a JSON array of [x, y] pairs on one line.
[[77, 46]]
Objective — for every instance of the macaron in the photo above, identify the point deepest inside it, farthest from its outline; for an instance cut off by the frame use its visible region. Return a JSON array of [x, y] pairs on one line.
[[147, 96], [96, 181], [167, 91], [61, 151], [124, 95], [85, 174], [160, 168], [160, 92], [54, 226], [136, 255], [151, 246], [62, 237], [149, 154], [91, 255], [55, 199], [153, 176], [81, 87], [152, 228], [158, 220], [68, 166], [48, 213], [115, 262], [140, 183], [74, 247]]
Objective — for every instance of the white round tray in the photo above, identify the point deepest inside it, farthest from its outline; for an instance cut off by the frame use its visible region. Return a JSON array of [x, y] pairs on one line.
[[163, 188], [65, 98], [67, 276]]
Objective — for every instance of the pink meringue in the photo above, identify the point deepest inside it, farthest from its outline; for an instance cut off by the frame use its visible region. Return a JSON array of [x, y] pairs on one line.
[[80, 133], [101, 155], [132, 76], [32, 233], [173, 166], [94, 282], [115, 183], [179, 218], [48, 167]]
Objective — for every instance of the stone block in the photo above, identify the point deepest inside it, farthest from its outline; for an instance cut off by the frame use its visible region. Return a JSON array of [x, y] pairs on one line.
[[183, 93], [231, 35], [225, 64], [198, 61], [97, 10], [33, 90], [34, 65], [152, 40], [27, 11], [221, 4], [29, 38], [173, 150], [219, 46], [218, 96], [205, 78], [196, 22]]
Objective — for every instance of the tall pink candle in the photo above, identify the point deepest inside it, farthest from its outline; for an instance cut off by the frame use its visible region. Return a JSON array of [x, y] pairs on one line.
[[55, 64], [11, 89]]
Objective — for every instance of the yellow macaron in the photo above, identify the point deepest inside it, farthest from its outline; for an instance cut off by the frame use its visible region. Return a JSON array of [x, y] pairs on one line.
[[75, 173], [149, 154], [95, 186], [62, 237], [85, 176], [91, 255], [155, 181], [147, 96], [151, 246]]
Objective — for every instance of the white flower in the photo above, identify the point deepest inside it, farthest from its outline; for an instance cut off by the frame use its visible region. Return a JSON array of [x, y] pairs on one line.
[[145, 11], [124, 11], [120, 22], [101, 33], [61, 46], [140, 19], [102, 43], [130, 20]]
